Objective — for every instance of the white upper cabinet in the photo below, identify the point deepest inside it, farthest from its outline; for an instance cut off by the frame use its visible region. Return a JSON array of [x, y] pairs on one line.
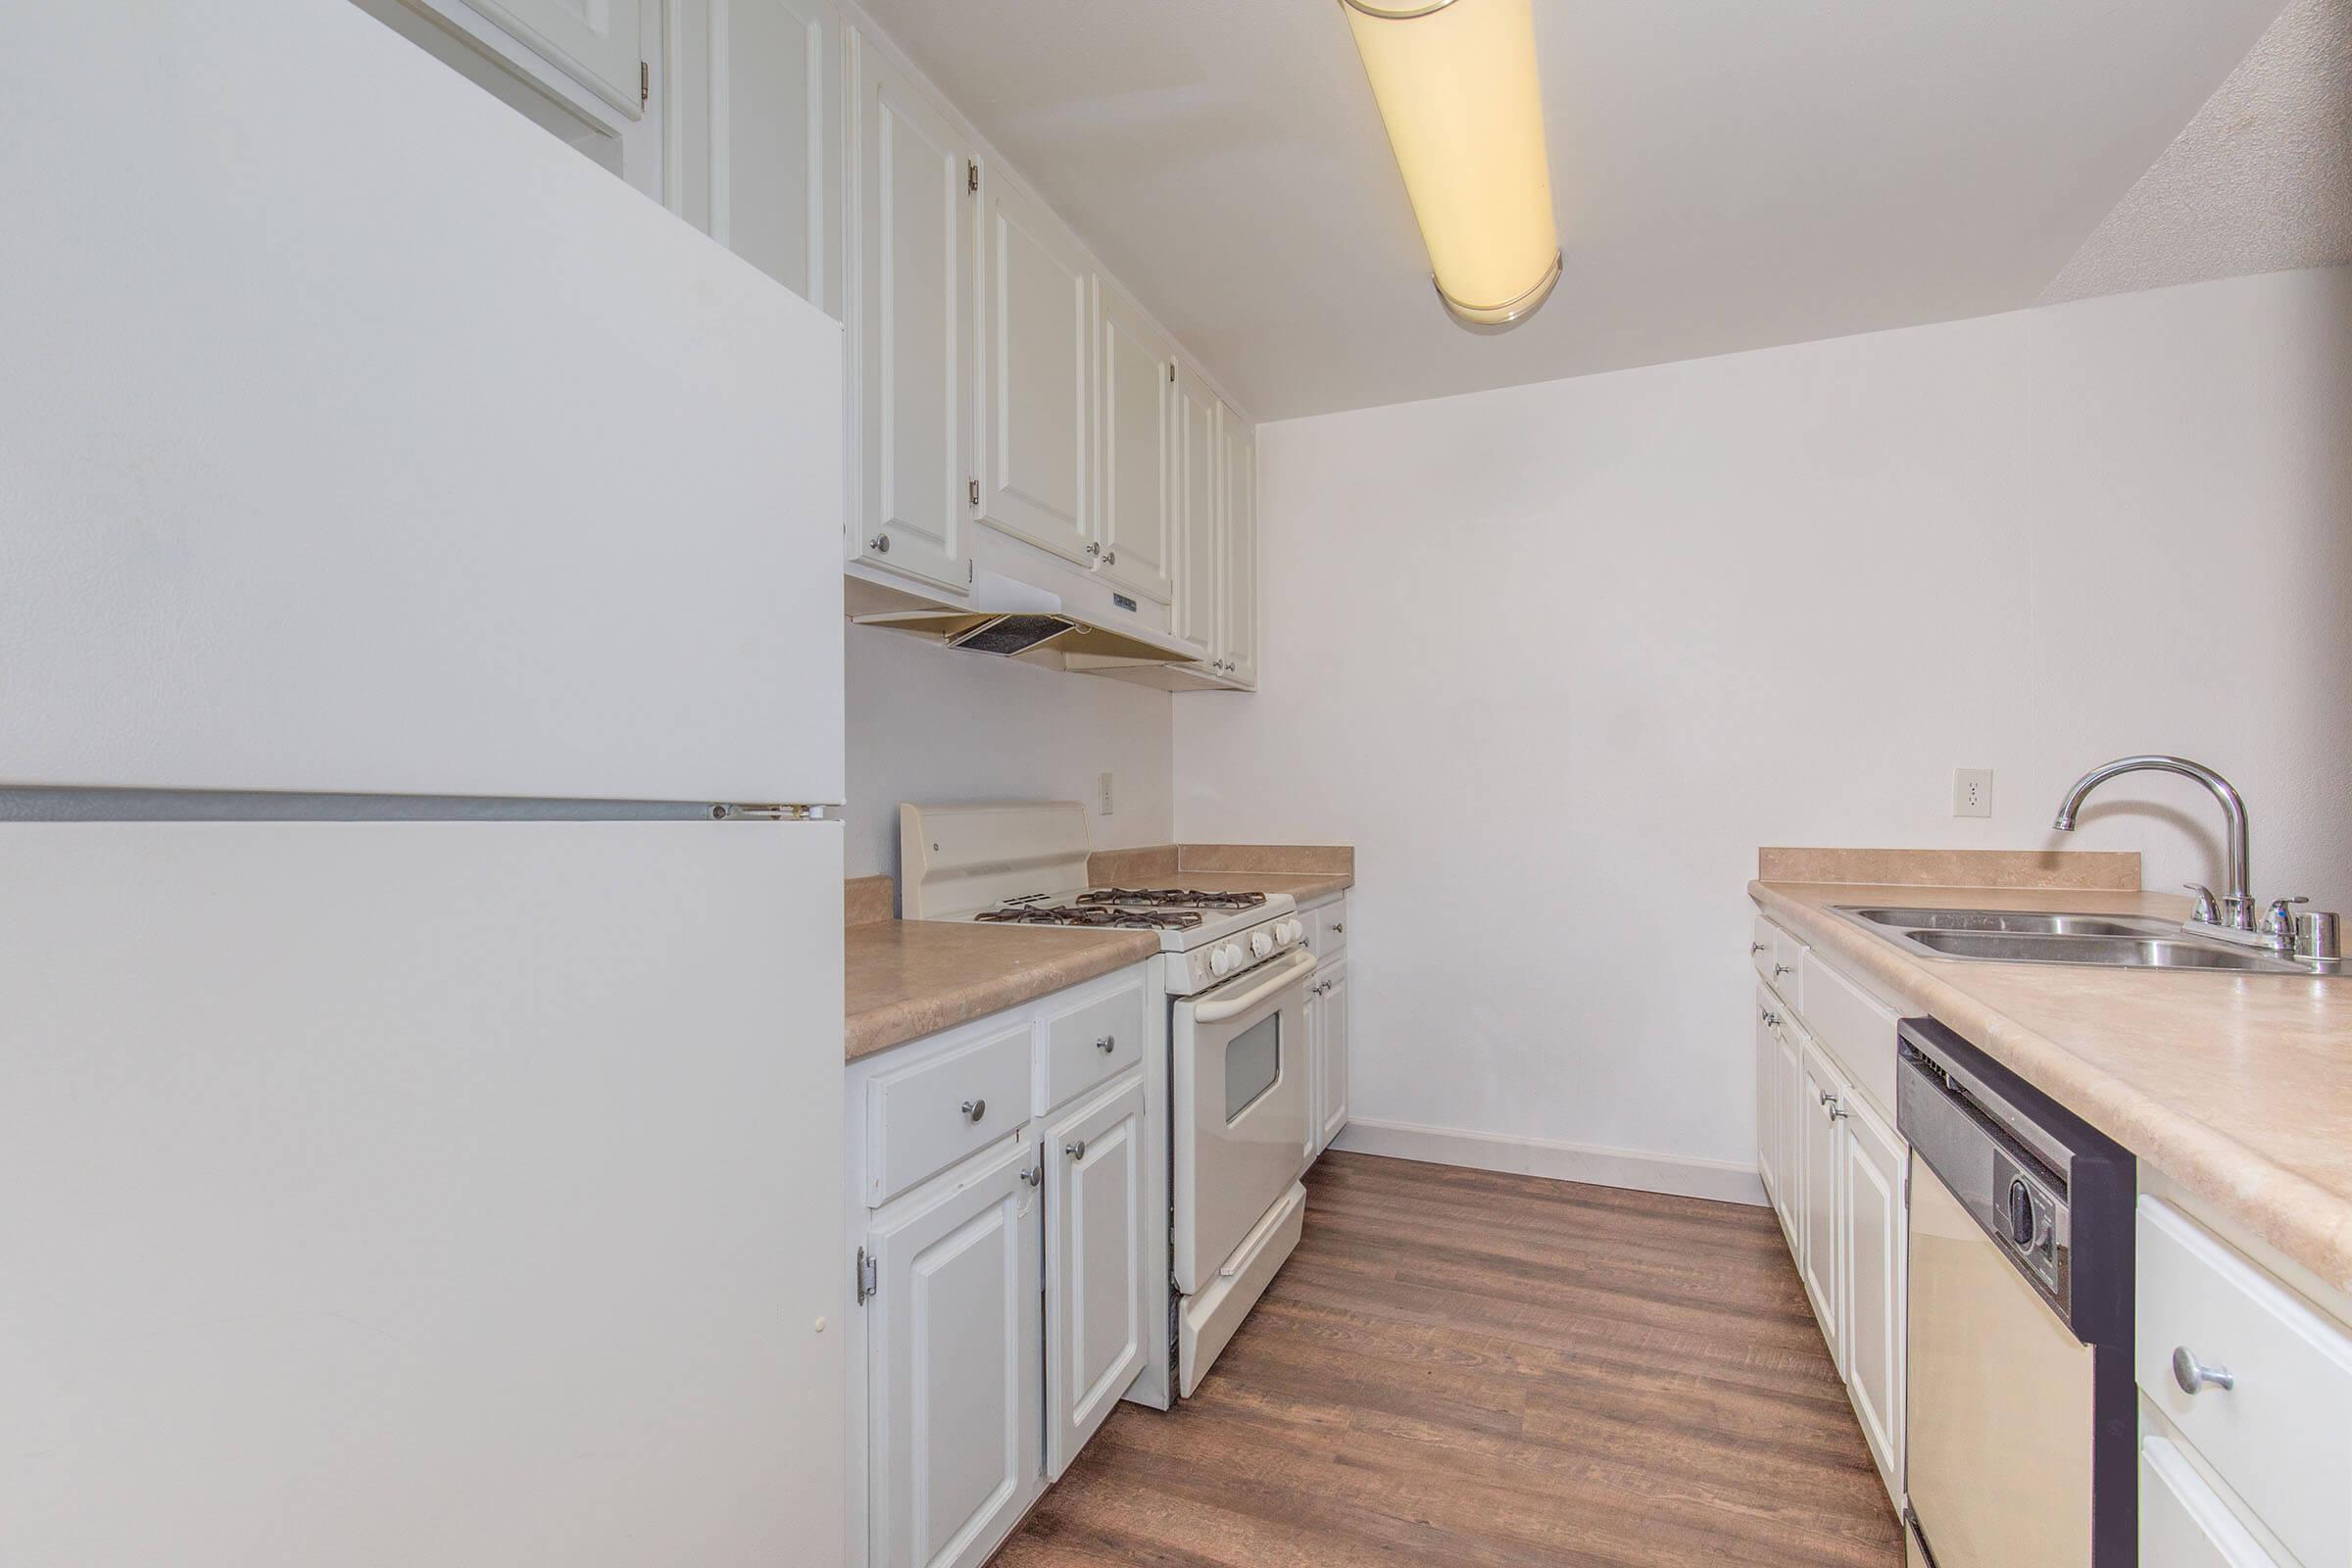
[[1194, 611], [1034, 358], [595, 41], [753, 135], [1134, 431], [1237, 575], [915, 178]]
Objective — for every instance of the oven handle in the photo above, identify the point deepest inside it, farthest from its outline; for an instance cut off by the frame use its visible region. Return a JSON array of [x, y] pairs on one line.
[[1284, 973]]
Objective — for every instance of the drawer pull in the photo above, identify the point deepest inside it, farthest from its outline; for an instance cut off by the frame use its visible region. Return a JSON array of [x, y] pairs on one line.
[[1338, 928], [2193, 1375], [1076, 1151], [1779, 969], [1107, 1044], [1754, 947], [974, 1109]]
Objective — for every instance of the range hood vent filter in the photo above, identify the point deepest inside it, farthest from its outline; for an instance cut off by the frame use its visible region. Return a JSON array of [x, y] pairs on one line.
[[1007, 635]]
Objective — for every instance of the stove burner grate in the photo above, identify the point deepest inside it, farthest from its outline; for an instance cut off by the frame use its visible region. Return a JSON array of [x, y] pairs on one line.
[[1097, 915], [1172, 898]]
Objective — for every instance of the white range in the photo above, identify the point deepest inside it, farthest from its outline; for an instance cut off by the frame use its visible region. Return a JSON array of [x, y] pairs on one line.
[[1227, 1099]]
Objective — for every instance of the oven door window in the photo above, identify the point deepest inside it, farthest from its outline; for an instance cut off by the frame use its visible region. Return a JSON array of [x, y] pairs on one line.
[[1253, 1063]]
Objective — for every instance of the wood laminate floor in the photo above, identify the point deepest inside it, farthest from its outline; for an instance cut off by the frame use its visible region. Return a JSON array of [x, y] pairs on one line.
[[1459, 1367]]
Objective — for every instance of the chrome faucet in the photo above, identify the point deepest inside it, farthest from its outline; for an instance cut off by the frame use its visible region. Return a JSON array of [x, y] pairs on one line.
[[2237, 914]]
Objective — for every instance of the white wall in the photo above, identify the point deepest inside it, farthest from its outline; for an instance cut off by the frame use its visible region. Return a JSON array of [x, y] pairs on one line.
[[1559, 659], [928, 724]]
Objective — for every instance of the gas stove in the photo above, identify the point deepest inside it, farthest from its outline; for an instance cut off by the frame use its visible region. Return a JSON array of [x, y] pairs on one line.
[[1024, 863]]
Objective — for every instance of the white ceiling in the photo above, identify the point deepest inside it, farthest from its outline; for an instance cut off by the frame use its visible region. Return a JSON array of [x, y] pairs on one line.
[[2260, 182], [1728, 173]]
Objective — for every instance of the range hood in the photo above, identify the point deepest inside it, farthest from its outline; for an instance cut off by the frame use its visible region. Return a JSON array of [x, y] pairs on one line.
[[1012, 618]]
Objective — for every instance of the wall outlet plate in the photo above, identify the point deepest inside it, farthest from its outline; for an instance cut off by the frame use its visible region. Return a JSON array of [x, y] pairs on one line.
[[1971, 792], [1106, 795]]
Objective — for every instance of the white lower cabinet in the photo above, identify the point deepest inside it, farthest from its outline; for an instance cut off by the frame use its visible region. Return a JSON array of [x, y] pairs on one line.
[[2183, 1522], [1821, 1156], [1094, 1315], [1327, 1047], [955, 1359], [1007, 1222], [1873, 1240], [1835, 1167]]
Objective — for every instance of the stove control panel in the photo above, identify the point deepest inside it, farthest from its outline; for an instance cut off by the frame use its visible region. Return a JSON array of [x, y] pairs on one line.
[[1205, 966]]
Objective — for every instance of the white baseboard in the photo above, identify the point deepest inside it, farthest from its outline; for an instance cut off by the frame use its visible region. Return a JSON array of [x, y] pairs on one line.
[[1567, 1162]]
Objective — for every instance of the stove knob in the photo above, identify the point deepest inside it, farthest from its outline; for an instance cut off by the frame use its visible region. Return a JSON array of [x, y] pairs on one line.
[[1288, 932], [1220, 959], [1261, 943], [2020, 1215]]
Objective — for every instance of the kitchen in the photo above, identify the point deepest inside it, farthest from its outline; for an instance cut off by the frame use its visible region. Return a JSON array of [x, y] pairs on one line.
[[549, 547]]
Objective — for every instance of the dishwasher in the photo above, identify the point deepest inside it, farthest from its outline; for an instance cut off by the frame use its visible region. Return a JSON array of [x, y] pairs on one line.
[[2021, 1420]]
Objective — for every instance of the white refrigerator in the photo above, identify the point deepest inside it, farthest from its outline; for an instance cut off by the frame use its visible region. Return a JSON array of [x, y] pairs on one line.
[[420, 889]]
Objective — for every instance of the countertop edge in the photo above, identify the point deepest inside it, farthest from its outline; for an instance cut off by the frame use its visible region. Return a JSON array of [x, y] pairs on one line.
[[2241, 1182], [897, 1023]]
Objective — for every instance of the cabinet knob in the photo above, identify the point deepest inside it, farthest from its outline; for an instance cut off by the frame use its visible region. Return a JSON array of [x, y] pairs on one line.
[[1076, 1151], [1107, 1044], [879, 544], [2193, 1375], [1754, 947], [1779, 969], [1338, 928], [1110, 557], [1094, 547], [974, 1109]]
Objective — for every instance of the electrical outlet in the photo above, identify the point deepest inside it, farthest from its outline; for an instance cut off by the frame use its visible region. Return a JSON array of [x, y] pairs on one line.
[[1106, 795], [1971, 792]]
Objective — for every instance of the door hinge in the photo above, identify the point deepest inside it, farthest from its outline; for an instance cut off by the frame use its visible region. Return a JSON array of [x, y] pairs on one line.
[[969, 576], [971, 176], [1171, 373], [645, 83], [869, 1277], [973, 490]]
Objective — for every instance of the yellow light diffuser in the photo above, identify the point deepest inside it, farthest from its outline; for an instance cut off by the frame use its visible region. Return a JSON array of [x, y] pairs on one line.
[[1455, 82]]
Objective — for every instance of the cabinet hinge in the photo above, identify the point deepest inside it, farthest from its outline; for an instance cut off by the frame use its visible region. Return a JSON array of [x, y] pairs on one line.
[[869, 1277], [971, 176], [1171, 373], [968, 578], [973, 490], [645, 83]]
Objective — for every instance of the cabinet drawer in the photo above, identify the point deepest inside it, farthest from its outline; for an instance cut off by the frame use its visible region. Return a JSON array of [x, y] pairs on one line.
[[1851, 1024], [2282, 1437], [2183, 1523], [1089, 1043], [924, 1118], [1326, 928], [1778, 956]]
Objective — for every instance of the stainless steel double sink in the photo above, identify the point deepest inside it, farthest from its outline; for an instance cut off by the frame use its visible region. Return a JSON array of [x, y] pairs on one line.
[[2027, 936]]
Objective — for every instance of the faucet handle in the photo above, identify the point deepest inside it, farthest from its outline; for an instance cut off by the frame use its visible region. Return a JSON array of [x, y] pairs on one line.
[[2208, 911], [2281, 922]]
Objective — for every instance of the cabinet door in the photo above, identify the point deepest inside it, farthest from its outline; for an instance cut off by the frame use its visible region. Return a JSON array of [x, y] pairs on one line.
[[955, 1380], [913, 328], [1135, 429], [1237, 575], [595, 41], [1873, 1234], [1193, 613], [1095, 1318], [1788, 1199], [1034, 357], [1770, 1102], [1821, 1153], [1331, 1040], [753, 139]]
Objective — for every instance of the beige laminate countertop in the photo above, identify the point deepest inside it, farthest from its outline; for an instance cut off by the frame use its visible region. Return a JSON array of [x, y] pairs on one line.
[[2236, 1087], [911, 978]]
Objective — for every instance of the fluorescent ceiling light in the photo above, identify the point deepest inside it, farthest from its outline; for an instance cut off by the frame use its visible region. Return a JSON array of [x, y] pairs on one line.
[[1455, 81]]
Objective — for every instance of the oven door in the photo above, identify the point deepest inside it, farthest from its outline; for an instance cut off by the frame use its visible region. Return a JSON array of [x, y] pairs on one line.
[[1237, 1057]]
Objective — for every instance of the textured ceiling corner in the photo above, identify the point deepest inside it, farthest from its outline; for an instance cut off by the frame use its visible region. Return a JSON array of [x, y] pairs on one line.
[[2260, 182]]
